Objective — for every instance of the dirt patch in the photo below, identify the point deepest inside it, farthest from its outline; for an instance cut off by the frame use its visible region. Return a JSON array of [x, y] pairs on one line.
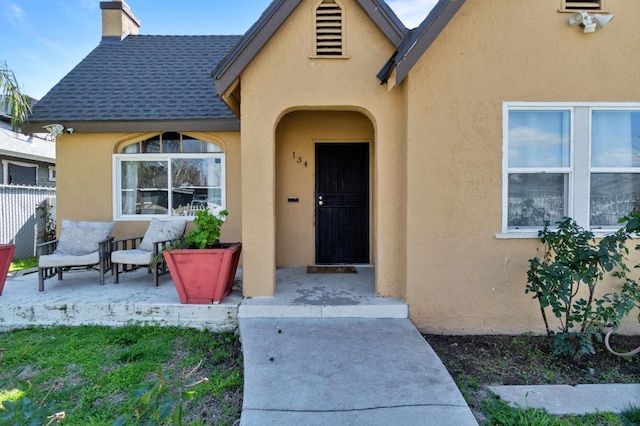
[[476, 362]]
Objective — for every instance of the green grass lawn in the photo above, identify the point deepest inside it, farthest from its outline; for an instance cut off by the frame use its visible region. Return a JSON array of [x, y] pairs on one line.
[[98, 375], [25, 263]]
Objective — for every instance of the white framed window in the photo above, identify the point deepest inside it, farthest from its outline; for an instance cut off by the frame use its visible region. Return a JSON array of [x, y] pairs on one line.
[[52, 173], [168, 175], [579, 160], [19, 173]]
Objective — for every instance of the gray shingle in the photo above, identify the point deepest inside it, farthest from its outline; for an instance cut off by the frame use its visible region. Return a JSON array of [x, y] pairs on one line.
[[143, 77]]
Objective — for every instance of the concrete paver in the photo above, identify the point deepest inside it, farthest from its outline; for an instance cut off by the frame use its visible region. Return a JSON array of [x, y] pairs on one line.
[[575, 400]]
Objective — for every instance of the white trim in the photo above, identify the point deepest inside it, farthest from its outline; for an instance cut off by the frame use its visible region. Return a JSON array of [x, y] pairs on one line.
[[52, 173], [117, 160], [593, 105], [533, 234], [506, 170], [5, 169], [578, 193]]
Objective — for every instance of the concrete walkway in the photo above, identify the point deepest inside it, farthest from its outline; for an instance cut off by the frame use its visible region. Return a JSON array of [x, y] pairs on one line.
[[345, 371], [323, 350]]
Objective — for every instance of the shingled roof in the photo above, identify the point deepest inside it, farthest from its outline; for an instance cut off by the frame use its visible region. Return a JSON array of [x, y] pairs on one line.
[[142, 83]]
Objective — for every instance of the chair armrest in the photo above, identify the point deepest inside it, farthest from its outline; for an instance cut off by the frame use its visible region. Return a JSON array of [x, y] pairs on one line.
[[106, 246], [126, 244], [46, 248], [159, 246]]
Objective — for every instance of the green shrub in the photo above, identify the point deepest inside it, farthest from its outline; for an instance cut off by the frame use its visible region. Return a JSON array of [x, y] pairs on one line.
[[565, 278]]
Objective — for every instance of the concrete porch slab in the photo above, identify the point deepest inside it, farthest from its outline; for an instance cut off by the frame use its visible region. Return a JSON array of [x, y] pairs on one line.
[[303, 295], [79, 299]]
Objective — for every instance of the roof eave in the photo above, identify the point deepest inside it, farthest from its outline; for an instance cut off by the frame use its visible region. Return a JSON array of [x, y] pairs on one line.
[[426, 34], [229, 69], [130, 126], [26, 156], [384, 17]]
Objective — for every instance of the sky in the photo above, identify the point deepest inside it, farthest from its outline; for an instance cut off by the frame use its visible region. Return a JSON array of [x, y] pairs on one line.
[[42, 40]]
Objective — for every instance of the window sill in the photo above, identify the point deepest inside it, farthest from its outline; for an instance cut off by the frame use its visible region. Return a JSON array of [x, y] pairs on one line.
[[516, 235], [598, 233], [148, 217]]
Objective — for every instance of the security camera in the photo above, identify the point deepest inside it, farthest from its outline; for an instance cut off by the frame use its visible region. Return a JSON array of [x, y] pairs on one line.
[[70, 130]]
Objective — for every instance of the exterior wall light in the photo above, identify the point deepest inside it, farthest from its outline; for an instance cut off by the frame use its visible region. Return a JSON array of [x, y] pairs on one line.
[[589, 23], [54, 129]]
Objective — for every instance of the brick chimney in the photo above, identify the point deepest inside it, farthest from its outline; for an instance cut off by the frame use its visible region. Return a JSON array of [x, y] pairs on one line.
[[118, 20]]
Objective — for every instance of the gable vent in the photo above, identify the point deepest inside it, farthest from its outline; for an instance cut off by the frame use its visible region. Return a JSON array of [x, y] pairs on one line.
[[582, 4], [329, 29]]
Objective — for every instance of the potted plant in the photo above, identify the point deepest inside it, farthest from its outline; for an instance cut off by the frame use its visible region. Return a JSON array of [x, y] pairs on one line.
[[6, 255], [202, 268]]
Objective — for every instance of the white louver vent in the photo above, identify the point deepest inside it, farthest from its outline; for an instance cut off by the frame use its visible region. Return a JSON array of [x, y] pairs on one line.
[[329, 29]]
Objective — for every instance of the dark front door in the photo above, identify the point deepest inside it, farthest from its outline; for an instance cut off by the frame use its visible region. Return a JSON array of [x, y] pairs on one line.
[[342, 203]]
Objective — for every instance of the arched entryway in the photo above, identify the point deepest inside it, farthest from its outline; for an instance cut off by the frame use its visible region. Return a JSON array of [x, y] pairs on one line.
[[324, 188]]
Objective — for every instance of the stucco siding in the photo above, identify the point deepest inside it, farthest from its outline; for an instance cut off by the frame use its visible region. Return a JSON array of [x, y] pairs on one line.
[[85, 179], [461, 278], [285, 77], [296, 136]]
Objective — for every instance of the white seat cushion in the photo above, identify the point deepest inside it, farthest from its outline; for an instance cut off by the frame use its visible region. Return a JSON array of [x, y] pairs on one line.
[[132, 257], [59, 259]]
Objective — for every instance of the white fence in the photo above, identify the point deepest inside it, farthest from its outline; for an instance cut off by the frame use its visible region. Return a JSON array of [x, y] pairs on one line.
[[20, 222]]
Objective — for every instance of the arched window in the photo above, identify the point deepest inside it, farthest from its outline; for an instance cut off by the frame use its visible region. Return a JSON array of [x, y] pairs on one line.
[[168, 175]]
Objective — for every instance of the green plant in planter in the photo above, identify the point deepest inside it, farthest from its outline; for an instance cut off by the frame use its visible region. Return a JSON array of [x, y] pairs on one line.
[[204, 274], [206, 234], [564, 280], [207, 231]]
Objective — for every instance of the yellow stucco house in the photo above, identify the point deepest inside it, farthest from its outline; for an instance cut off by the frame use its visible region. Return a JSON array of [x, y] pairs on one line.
[[335, 135]]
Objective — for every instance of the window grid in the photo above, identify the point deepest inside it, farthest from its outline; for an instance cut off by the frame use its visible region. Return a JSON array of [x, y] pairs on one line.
[[176, 180], [614, 194]]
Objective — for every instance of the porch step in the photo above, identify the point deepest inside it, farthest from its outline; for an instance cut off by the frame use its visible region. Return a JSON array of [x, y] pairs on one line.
[[303, 295], [267, 307]]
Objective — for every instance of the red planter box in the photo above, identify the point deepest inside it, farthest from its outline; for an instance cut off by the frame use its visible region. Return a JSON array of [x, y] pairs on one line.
[[6, 256], [203, 276]]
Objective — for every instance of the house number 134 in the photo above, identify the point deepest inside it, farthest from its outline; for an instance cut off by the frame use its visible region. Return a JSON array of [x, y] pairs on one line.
[[299, 159]]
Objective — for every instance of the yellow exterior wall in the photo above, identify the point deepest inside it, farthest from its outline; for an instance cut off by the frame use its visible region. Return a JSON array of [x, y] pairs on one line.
[[436, 145], [297, 133], [283, 78], [85, 180], [461, 278]]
